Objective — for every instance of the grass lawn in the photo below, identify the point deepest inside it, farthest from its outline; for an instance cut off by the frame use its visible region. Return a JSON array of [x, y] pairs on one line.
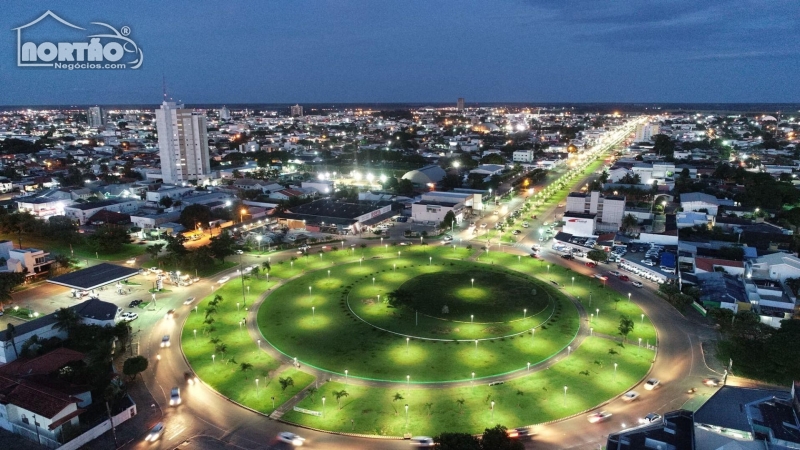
[[79, 251], [224, 373], [308, 318], [588, 374], [206, 272]]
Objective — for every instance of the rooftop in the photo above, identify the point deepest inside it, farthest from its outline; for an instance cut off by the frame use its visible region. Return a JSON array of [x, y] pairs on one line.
[[725, 409], [94, 277]]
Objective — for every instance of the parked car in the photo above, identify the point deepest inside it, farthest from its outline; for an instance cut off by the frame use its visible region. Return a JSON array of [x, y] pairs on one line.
[[624, 278], [615, 273], [129, 316], [598, 417], [134, 303], [240, 252]]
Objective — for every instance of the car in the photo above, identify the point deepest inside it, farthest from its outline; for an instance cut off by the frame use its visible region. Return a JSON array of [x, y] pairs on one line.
[[638, 284], [650, 418], [190, 378], [601, 277], [175, 396], [598, 417], [447, 238], [515, 232], [525, 225], [304, 248], [404, 243], [165, 341], [239, 252], [131, 261], [711, 381], [155, 432], [651, 384], [223, 280], [624, 278], [591, 264], [546, 224], [422, 441], [648, 262], [134, 303], [630, 396], [290, 438], [188, 301], [129, 317], [483, 225], [568, 256], [615, 273], [170, 314]]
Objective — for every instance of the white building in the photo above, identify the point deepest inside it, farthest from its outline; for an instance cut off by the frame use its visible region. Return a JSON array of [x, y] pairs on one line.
[[95, 117], [696, 201], [523, 156], [579, 224], [434, 206], [81, 212], [182, 143], [645, 132], [224, 113], [609, 210], [776, 266], [297, 111], [323, 187]]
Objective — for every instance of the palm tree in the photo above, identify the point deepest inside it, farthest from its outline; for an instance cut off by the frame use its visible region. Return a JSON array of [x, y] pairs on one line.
[[221, 348], [396, 397], [256, 272], [10, 333], [66, 320], [311, 391], [519, 400], [211, 310], [429, 407], [339, 395], [286, 382], [215, 340], [244, 367], [460, 404]]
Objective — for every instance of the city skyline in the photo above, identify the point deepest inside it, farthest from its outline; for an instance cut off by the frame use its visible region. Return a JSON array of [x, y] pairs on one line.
[[418, 52]]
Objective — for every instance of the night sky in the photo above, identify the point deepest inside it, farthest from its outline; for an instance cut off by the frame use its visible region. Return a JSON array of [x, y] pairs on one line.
[[423, 51]]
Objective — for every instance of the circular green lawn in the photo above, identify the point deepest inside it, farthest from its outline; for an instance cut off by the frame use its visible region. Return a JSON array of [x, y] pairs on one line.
[[344, 321]]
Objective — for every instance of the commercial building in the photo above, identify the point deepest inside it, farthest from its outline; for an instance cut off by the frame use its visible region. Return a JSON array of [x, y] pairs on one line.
[[579, 224], [426, 176], [609, 210], [336, 216], [95, 117], [645, 132], [434, 206], [296, 111], [674, 431], [81, 212], [182, 144], [460, 104], [523, 156], [224, 113]]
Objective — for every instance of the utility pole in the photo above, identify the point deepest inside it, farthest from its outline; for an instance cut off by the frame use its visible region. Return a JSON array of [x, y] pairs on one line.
[[113, 428]]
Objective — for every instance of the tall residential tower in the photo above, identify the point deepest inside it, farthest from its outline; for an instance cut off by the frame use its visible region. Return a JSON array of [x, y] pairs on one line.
[[182, 143], [95, 117]]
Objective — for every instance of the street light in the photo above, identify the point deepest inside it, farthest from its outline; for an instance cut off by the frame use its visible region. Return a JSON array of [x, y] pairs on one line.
[[598, 312], [407, 339], [615, 371], [642, 318], [565, 396], [629, 296], [406, 414], [323, 406], [473, 282], [573, 281], [472, 319], [524, 312], [345, 377], [492, 409]]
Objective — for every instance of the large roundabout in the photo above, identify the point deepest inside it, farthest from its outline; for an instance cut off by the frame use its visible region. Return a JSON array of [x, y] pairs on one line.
[[373, 330]]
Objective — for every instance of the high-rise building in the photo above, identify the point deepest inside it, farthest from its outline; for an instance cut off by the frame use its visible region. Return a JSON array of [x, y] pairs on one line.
[[182, 143], [644, 132], [609, 209], [95, 117], [460, 104], [297, 110], [224, 113]]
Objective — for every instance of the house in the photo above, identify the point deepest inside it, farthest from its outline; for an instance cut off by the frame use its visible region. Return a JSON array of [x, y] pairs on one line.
[[488, 170], [81, 212], [674, 431], [700, 202], [286, 194], [32, 261], [425, 176], [777, 266]]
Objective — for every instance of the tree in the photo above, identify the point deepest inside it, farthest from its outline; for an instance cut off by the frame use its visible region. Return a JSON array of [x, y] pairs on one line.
[[154, 250], [449, 220], [221, 246], [397, 397], [10, 335], [311, 391], [597, 255], [663, 145], [339, 395], [244, 367], [66, 320], [625, 326], [429, 407], [134, 366], [285, 382], [460, 405], [497, 439], [166, 202], [108, 239], [630, 224], [405, 187], [175, 247], [221, 348], [9, 281], [195, 216], [457, 441]]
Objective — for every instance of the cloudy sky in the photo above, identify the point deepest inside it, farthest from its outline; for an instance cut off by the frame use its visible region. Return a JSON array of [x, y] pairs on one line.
[[420, 51]]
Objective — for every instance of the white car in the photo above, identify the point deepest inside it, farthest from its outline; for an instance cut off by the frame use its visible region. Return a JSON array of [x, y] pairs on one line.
[[598, 417], [483, 225], [651, 384], [239, 252], [650, 418], [155, 432], [131, 261], [638, 284], [290, 438], [188, 301], [175, 396], [223, 280], [422, 441], [129, 316], [630, 396], [165, 341]]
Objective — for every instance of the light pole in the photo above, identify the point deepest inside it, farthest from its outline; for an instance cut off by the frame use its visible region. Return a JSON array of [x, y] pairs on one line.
[[569, 350], [471, 320], [573, 281], [312, 313], [473, 282], [533, 332], [629, 296], [642, 319], [345, 377], [195, 334], [476, 344], [472, 383], [598, 312], [373, 281], [548, 268], [323, 406], [640, 342], [329, 273], [214, 359], [406, 415], [407, 339], [492, 409], [408, 381], [529, 367], [591, 331], [565, 396], [615, 371], [430, 260], [256, 386], [524, 313]]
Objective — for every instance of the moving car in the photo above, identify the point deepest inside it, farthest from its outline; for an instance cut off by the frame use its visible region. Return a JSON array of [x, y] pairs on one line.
[[711, 382], [598, 417], [447, 238], [290, 438], [591, 264], [615, 273], [638, 284], [134, 303], [515, 232], [568, 256], [630, 396], [239, 252], [170, 314], [131, 261], [422, 441], [601, 277], [624, 278], [188, 301], [651, 384], [165, 341], [175, 396], [129, 316], [155, 432], [223, 280], [190, 378], [650, 418]]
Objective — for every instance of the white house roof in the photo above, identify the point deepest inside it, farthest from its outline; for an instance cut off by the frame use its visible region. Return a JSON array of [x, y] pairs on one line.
[[699, 197]]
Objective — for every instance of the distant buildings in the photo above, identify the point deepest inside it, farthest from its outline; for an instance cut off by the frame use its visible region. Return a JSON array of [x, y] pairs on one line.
[[182, 143], [460, 104], [224, 113], [95, 117], [425, 176], [296, 111], [523, 156], [609, 209], [645, 132]]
